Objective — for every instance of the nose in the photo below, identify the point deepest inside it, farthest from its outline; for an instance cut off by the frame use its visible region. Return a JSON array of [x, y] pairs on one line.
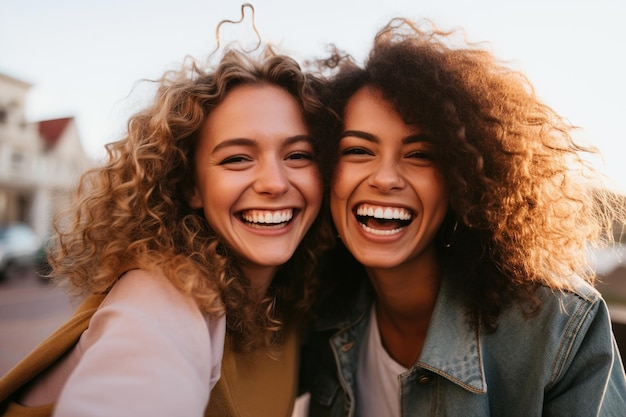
[[386, 177], [271, 178]]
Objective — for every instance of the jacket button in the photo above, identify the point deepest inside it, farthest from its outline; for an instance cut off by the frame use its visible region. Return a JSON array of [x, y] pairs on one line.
[[424, 379], [347, 346]]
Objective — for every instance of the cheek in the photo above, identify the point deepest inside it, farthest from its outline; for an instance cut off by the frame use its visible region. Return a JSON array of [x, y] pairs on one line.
[[218, 195], [341, 186], [315, 192], [338, 206], [337, 211], [435, 195], [310, 186], [215, 212]]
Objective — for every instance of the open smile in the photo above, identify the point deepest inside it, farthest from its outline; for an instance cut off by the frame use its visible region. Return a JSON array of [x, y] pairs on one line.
[[383, 220], [267, 219]]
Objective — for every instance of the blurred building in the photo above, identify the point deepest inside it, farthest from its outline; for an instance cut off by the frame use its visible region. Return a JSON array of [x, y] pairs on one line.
[[40, 162]]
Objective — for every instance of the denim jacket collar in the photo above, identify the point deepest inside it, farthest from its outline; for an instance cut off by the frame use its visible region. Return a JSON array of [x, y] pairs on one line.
[[460, 361], [452, 346]]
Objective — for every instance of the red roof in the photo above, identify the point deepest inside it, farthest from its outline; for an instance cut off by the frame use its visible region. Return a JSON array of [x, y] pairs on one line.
[[51, 130]]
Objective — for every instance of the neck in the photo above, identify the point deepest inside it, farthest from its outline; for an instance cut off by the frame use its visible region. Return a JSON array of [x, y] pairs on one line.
[[405, 299], [408, 290], [260, 278]]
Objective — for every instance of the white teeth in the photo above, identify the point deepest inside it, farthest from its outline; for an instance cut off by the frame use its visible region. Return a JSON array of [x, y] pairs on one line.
[[381, 232], [387, 213], [267, 216]]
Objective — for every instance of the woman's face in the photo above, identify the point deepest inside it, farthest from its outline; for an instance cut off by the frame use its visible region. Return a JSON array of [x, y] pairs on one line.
[[256, 178], [388, 196]]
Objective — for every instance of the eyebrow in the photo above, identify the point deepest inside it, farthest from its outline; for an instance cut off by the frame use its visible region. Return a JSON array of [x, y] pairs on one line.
[[419, 137], [251, 142]]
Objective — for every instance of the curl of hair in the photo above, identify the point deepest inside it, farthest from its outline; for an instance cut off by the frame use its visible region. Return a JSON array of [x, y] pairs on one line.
[[525, 199], [133, 212]]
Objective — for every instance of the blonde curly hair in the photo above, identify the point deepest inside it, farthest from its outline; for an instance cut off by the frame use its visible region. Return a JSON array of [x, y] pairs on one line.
[[133, 211], [524, 202]]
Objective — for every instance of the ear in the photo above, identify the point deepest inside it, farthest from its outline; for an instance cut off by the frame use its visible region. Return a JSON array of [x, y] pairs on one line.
[[195, 199]]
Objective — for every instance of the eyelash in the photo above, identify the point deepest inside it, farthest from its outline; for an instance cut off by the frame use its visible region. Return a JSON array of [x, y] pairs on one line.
[[234, 159], [363, 151], [356, 150], [420, 155], [300, 155]]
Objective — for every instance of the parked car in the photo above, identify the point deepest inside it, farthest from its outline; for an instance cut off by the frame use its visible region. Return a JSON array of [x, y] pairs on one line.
[[19, 247]]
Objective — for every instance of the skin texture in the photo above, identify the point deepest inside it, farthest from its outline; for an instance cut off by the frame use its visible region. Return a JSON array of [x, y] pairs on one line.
[[257, 183]]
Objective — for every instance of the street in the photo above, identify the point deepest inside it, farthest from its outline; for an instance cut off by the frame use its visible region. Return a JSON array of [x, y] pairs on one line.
[[30, 310]]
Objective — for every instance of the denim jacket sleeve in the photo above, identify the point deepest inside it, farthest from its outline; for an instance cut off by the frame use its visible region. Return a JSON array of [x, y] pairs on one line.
[[588, 375]]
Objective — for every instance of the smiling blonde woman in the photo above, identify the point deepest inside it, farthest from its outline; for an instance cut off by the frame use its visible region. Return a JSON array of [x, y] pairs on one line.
[[196, 244]]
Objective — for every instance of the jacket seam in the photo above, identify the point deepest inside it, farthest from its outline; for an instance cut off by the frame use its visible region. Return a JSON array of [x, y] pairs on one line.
[[568, 340]]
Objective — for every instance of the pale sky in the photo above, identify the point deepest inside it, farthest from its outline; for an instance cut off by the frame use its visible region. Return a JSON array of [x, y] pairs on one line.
[[84, 57]]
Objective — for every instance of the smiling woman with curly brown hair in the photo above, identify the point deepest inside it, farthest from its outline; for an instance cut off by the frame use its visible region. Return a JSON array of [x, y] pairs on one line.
[[199, 236], [465, 210]]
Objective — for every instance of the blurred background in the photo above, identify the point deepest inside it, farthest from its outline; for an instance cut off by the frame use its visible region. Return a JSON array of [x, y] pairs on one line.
[[69, 80]]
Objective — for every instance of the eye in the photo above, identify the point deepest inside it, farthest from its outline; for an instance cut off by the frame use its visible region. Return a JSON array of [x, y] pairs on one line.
[[299, 159], [420, 155], [356, 150], [300, 155], [235, 160]]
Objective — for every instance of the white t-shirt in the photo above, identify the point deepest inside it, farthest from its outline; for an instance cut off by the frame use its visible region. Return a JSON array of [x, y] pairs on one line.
[[378, 386], [148, 351]]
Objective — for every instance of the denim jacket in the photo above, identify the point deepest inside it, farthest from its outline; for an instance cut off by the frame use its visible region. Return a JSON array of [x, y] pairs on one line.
[[563, 361]]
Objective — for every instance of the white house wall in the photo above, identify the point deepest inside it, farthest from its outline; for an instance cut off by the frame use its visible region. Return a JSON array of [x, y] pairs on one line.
[[35, 182]]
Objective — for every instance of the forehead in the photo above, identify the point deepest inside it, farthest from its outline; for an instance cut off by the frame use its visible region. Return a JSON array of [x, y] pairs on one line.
[[368, 111], [255, 111]]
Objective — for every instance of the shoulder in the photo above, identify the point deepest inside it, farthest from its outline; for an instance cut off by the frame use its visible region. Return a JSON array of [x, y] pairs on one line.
[[581, 298], [146, 338], [151, 291], [153, 282], [144, 309], [142, 298], [559, 308], [565, 321], [562, 321], [569, 326]]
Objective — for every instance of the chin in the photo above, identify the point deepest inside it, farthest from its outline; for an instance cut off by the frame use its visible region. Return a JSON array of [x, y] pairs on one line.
[[269, 262], [382, 262]]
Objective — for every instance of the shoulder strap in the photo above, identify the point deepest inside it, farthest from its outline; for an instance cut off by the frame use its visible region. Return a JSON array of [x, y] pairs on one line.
[[50, 350]]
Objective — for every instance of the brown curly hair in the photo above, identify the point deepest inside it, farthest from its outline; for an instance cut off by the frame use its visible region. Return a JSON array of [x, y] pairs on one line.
[[523, 202], [133, 212]]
